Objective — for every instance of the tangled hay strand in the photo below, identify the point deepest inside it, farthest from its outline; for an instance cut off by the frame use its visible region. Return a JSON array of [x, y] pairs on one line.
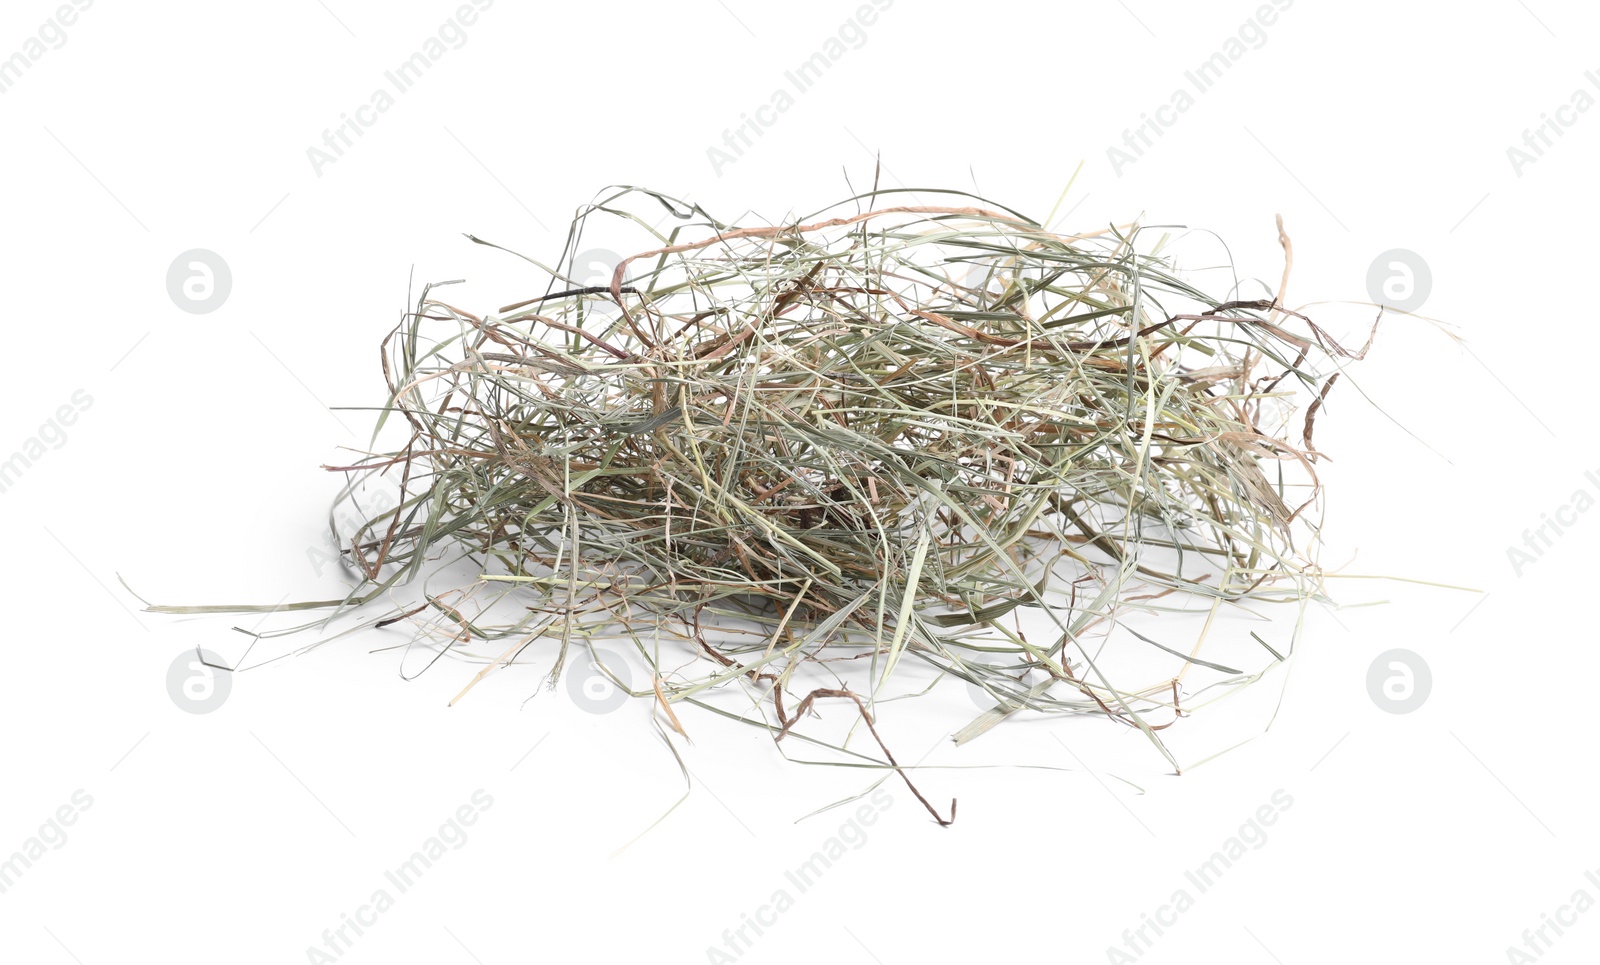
[[864, 436]]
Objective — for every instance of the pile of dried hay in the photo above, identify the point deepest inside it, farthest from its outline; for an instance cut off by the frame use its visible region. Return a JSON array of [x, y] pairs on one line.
[[866, 436]]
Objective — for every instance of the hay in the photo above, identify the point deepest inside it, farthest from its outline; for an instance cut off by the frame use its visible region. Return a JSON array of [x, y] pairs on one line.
[[871, 436]]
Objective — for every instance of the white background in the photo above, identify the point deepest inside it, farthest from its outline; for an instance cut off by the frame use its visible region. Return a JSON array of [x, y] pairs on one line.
[[240, 835]]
